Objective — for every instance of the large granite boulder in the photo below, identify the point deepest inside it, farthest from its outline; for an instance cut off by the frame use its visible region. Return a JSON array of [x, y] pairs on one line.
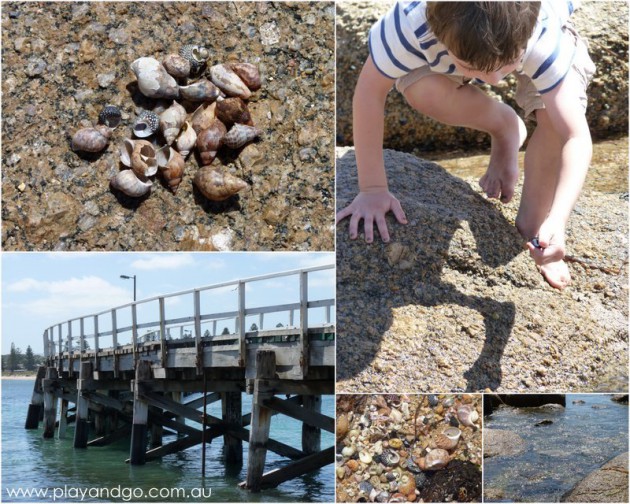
[[609, 483], [498, 442], [603, 24], [455, 303]]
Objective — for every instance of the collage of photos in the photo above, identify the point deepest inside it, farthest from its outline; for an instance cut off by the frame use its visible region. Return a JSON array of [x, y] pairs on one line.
[[314, 251]]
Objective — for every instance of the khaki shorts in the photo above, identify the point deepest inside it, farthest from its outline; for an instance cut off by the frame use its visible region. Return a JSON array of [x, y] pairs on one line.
[[527, 96]]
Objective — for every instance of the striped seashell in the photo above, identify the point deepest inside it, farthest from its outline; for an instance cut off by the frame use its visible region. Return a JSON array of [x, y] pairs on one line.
[[217, 186], [240, 135]]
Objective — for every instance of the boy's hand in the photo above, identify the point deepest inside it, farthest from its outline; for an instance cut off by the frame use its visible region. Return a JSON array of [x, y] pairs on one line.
[[551, 240], [372, 207]]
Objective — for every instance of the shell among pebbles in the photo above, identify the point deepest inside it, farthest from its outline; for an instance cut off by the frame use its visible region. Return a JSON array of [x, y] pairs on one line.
[[217, 186]]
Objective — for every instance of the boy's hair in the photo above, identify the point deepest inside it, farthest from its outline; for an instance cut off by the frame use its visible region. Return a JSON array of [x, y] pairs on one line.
[[486, 35]]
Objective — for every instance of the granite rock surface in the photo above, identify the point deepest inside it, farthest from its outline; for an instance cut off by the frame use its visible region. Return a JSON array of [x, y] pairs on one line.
[[609, 483], [603, 24], [63, 61], [455, 303], [499, 442]]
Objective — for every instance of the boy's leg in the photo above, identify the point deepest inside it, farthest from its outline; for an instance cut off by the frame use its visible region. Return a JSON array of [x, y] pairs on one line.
[[448, 102], [542, 163]]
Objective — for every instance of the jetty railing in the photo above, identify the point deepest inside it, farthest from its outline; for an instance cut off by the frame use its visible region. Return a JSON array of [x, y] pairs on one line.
[[121, 327]]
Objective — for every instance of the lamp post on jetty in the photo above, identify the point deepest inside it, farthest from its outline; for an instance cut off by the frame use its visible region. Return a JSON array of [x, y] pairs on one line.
[[127, 277]]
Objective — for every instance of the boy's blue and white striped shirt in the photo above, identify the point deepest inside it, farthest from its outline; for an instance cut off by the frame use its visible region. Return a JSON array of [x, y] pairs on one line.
[[402, 41]]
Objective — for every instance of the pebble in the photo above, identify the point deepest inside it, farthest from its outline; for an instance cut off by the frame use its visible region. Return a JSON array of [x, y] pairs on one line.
[[104, 80], [21, 187], [35, 67]]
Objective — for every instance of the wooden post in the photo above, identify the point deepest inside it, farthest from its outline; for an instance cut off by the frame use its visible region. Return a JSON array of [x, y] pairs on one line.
[[134, 332], [96, 343], [82, 428], [177, 396], [138, 449], [50, 402], [70, 353], [198, 346], [241, 324], [261, 420], [162, 333], [304, 323], [35, 409], [63, 419], [115, 342], [311, 436], [231, 406]]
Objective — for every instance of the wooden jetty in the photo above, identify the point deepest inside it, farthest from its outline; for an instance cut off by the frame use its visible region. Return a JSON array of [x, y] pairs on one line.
[[130, 372]]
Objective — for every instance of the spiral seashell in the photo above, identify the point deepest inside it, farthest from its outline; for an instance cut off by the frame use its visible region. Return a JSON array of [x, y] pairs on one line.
[[239, 135], [209, 141], [91, 139], [467, 415], [171, 121], [217, 186], [249, 74], [140, 156], [365, 457], [202, 90], [147, 123], [127, 182], [196, 55], [176, 66], [203, 116], [407, 484], [434, 460], [229, 82], [110, 116], [390, 458], [448, 439], [153, 79], [233, 110], [171, 165], [186, 139]]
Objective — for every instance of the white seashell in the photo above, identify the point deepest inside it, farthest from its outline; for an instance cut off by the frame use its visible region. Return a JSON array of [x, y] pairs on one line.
[[365, 457], [171, 121], [140, 156], [153, 79], [467, 415], [91, 139], [171, 165], [186, 139], [436, 459], [229, 82], [348, 451], [127, 182], [448, 439]]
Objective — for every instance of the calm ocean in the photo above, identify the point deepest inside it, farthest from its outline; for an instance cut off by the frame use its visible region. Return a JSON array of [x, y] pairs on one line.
[[54, 466]]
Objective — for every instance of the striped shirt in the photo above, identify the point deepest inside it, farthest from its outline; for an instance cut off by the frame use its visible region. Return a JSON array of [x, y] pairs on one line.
[[402, 41]]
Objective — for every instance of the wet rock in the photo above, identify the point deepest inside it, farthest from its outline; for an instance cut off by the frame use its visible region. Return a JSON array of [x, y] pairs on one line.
[[609, 483], [603, 24], [474, 299], [620, 398], [459, 482], [501, 443]]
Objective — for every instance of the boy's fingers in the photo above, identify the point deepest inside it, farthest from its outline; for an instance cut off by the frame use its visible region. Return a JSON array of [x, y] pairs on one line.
[[354, 225], [342, 214], [368, 228], [382, 228], [399, 213]]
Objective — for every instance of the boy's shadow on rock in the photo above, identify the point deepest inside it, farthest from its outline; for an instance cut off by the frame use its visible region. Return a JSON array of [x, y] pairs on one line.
[[437, 204]]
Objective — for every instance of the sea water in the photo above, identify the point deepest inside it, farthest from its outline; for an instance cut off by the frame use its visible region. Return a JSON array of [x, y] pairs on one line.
[[52, 470], [557, 456]]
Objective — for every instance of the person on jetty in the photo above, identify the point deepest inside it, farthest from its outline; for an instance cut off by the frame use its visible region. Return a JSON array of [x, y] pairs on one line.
[[433, 52]]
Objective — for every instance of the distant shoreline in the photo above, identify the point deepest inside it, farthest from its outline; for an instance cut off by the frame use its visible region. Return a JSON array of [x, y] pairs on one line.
[[14, 377]]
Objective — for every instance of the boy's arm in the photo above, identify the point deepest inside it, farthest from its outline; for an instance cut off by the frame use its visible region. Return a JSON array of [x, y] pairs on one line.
[[568, 120], [374, 199]]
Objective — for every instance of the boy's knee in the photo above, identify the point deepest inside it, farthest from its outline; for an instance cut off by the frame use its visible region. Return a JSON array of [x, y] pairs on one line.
[[428, 93]]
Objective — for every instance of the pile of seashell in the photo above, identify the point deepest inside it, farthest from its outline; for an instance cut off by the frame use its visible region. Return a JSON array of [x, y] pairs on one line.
[[167, 135], [388, 444]]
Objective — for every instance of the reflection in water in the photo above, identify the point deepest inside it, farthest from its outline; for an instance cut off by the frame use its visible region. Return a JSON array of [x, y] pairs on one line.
[[581, 438]]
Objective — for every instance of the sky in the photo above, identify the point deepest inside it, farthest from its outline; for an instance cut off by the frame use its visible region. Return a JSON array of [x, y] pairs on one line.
[[40, 290]]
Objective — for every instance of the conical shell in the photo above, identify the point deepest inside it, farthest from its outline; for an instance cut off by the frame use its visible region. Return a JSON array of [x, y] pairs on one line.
[[143, 160], [171, 121], [233, 110], [239, 135], [202, 90], [203, 117], [153, 79], [217, 186], [176, 66], [110, 116], [434, 460], [127, 182], [229, 82], [91, 139], [196, 55], [249, 74], [209, 141], [186, 139], [171, 165]]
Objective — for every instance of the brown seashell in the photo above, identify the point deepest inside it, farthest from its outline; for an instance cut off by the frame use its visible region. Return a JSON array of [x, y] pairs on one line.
[[202, 90], [353, 465], [171, 121], [217, 186], [203, 117], [436, 459], [127, 182], [153, 79], [342, 426], [209, 141], [171, 165], [176, 66], [229, 82], [447, 440], [233, 110], [139, 155], [91, 139], [249, 74], [407, 484], [240, 135], [467, 415]]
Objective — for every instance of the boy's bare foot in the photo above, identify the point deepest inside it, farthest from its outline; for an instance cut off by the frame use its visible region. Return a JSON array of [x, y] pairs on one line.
[[556, 273], [502, 173]]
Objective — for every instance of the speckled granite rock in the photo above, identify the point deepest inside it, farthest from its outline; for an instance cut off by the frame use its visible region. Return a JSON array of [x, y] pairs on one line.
[[62, 62], [604, 24], [471, 312], [609, 483], [498, 442]]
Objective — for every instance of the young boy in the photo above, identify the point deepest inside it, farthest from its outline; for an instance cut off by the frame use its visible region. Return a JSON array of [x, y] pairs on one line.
[[432, 50]]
